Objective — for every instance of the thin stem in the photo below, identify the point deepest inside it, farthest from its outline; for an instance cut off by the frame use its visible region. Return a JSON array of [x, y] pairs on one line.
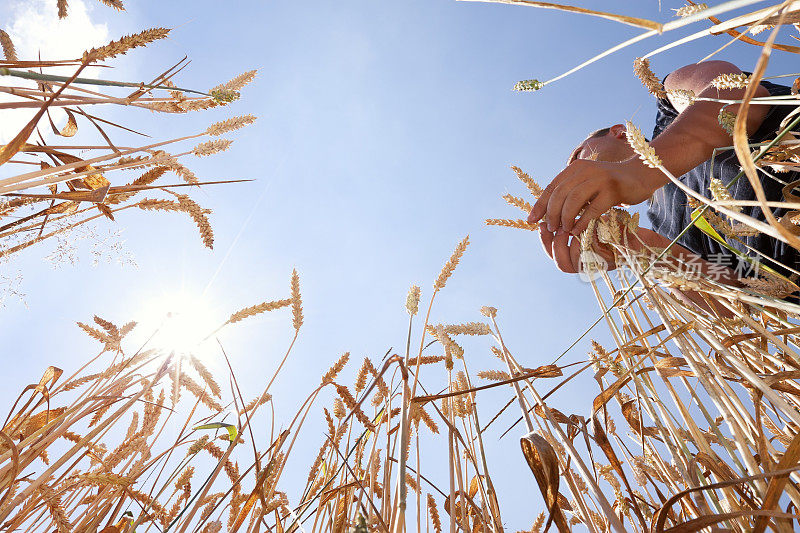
[[88, 81]]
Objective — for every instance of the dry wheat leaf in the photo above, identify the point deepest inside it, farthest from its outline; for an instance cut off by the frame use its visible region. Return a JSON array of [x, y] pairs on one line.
[[24, 428], [723, 473], [660, 516], [623, 19], [698, 524], [669, 367], [94, 180], [609, 393], [71, 127], [635, 422], [602, 440], [543, 462], [545, 371], [776, 484], [557, 415], [50, 376]]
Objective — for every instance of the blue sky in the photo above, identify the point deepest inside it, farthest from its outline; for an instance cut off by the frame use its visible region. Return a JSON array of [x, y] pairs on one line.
[[385, 134]]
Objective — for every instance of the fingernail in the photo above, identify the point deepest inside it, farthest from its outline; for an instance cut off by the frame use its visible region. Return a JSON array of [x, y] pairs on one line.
[[550, 227]]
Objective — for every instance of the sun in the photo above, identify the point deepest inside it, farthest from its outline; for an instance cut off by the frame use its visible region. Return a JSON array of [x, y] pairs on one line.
[[181, 322]]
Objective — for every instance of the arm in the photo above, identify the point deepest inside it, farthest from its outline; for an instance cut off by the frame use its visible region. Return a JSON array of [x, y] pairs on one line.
[[596, 186], [694, 134]]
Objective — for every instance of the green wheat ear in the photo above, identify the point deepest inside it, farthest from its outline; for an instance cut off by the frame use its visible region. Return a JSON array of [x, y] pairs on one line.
[[528, 85], [225, 96]]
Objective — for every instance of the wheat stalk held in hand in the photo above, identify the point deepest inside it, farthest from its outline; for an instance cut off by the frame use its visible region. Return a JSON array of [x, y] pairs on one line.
[[529, 182], [517, 202], [508, 223]]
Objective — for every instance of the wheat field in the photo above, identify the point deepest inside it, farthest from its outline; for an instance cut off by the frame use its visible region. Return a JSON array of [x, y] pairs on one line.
[[693, 427]]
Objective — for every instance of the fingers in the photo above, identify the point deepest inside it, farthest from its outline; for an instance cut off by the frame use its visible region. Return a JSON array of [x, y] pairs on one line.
[[599, 205], [561, 252], [582, 194], [565, 250], [575, 253], [555, 204], [540, 208], [583, 184], [532, 218], [547, 240]]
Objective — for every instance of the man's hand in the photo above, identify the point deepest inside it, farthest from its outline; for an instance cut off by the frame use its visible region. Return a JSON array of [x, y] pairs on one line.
[[593, 187], [565, 250]]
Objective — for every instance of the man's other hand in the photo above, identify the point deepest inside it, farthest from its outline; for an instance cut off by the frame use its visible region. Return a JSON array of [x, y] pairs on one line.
[[565, 250]]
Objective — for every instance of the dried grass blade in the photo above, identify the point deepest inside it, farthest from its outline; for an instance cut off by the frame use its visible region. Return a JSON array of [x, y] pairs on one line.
[[703, 522], [71, 127], [605, 445], [623, 19], [776, 484], [19, 140], [609, 393], [543, 462], [675, 24]]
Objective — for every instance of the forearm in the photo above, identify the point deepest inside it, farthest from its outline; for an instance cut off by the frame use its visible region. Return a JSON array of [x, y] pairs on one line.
[[694, 134], [588, 188]]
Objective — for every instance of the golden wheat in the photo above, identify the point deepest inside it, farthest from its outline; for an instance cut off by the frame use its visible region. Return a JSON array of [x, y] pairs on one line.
[[641, 67], [451, 264], [9, 51], [127, 42]]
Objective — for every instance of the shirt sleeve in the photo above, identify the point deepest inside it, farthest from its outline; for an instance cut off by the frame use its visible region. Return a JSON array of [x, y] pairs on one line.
[[665, 114], [669, 213]]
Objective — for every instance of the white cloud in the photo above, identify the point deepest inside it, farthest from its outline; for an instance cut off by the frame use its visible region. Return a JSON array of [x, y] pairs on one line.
[[35, 27], [36, 31]]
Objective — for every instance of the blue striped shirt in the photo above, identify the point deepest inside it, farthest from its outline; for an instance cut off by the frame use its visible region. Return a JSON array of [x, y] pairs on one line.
[[669, 212]]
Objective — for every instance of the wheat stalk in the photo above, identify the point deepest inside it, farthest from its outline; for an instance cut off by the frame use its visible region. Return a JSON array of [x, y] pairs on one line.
[[451, 264], [124, 44]]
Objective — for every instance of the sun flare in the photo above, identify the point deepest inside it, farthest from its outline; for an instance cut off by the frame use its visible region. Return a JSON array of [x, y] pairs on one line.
[[181, 322]]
